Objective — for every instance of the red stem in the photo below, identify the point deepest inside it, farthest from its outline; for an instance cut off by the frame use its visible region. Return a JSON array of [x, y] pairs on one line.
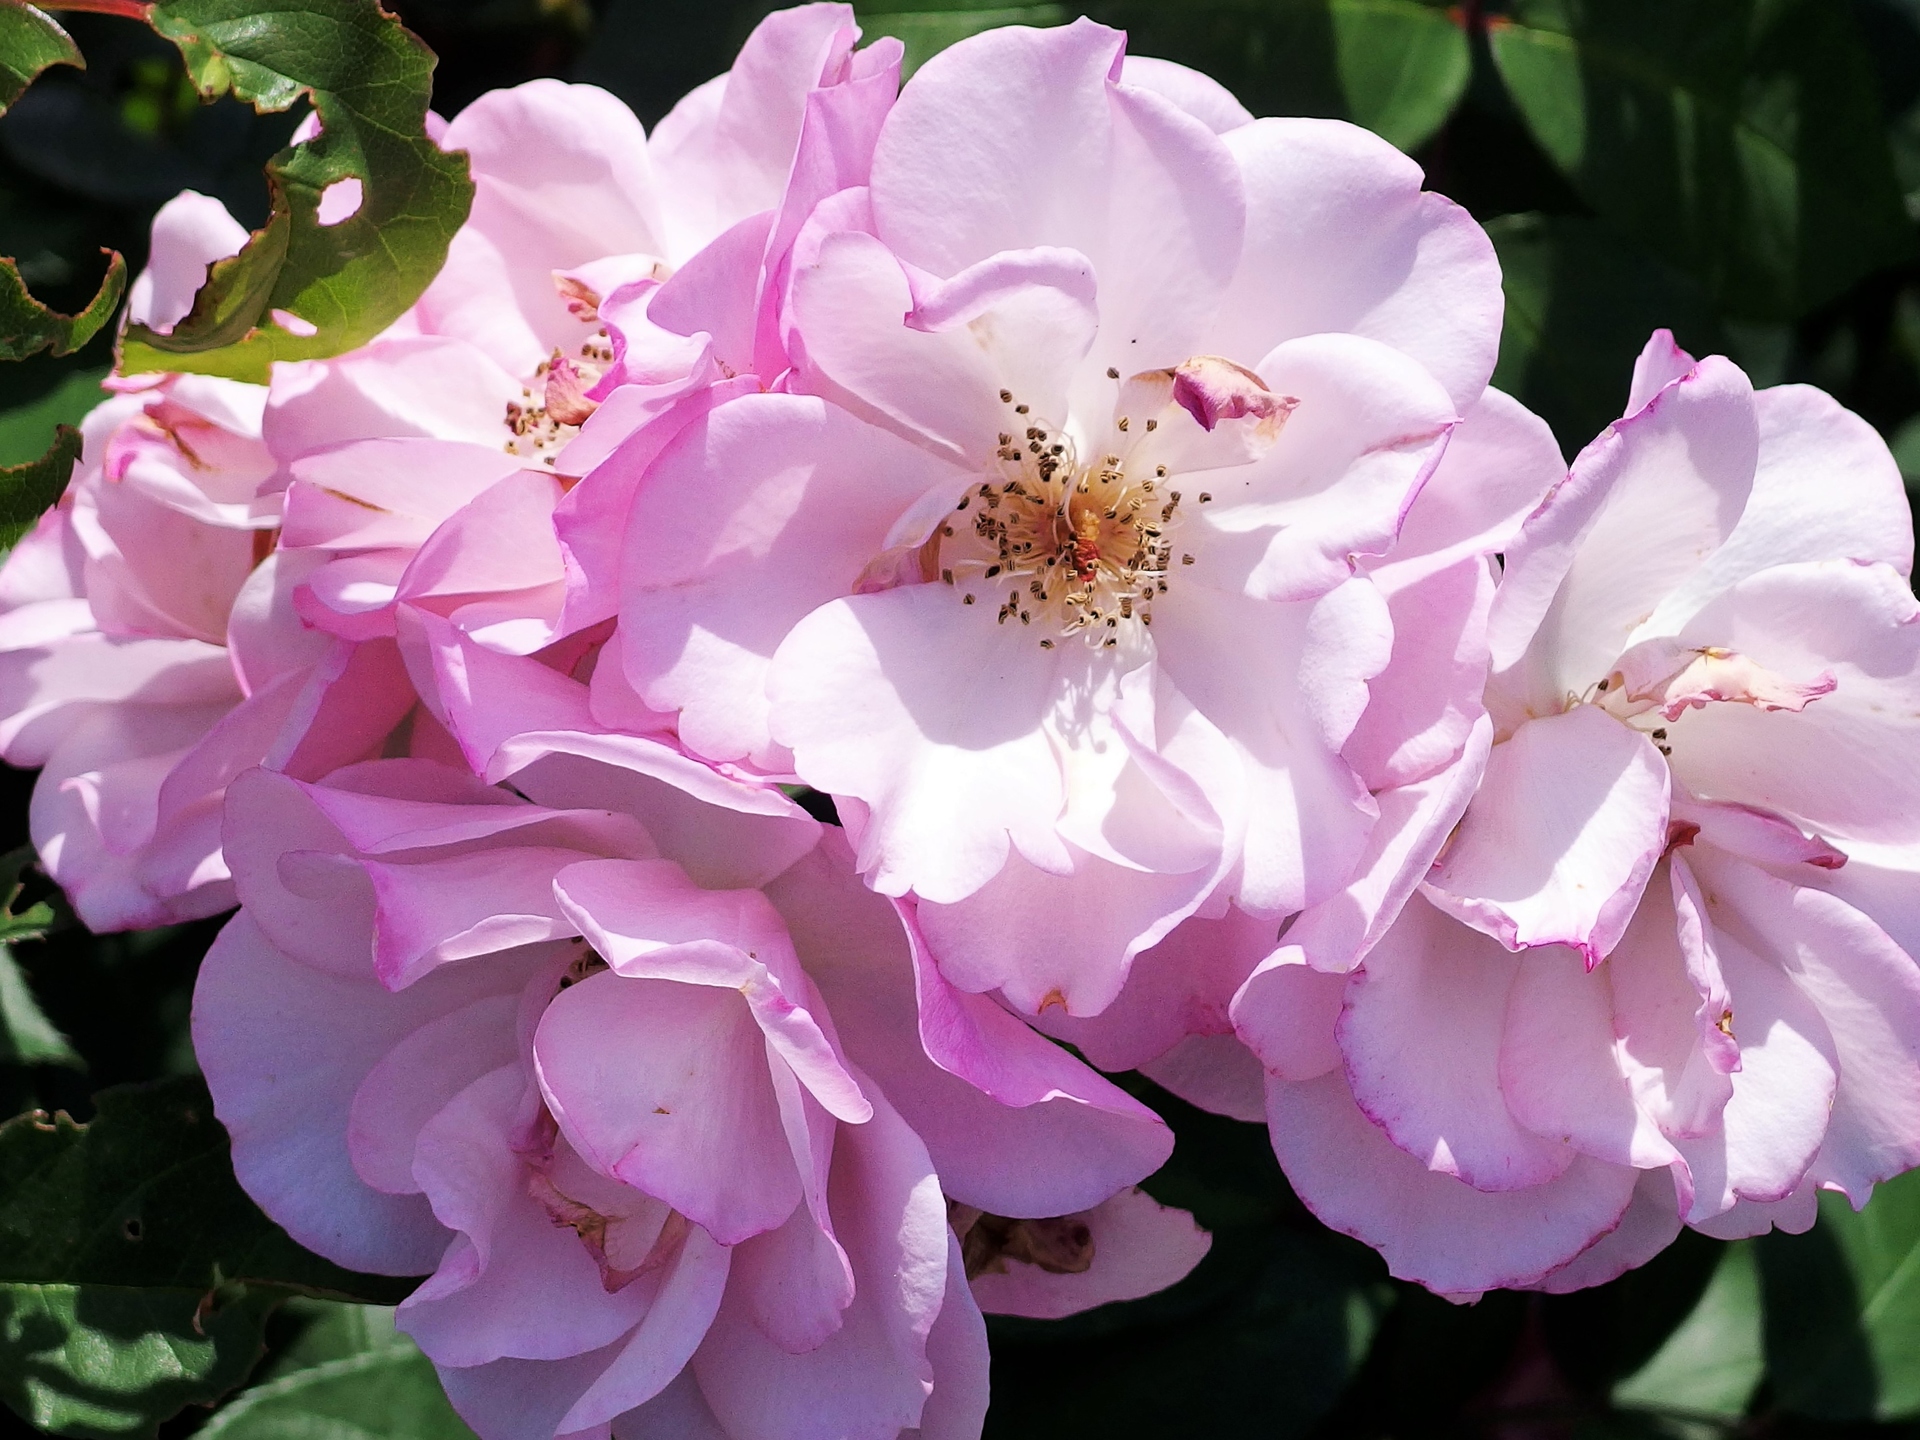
[[131, 9]]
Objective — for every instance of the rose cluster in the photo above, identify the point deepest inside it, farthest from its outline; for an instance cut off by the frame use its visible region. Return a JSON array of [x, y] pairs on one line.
[[1092, 498]]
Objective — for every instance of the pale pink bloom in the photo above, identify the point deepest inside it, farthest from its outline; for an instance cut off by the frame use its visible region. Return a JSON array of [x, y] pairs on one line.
[[637, 1077], [1075, 365], [1663, 972], [116, 672]]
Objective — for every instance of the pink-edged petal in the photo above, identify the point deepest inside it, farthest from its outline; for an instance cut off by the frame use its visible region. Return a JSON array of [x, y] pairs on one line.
[[1200, 96], [1101, 917], [1148, 194], [1340, 236], [514, 1284], [1016, 1125], [649, 921], [284, 1048], [1366, 431], [384, 493], [1836, 767], [527, 1399], [794, 1282], [1181, 986], [429, 912], [1216, 1073], [1421, 1031], [664, 1086], [872, 1376], [1649, 1226], [664, 1342], [1772, 1127], [1827, 488], [932, 365], [678, 1412], [1428, 1226], [416, 1079], [190, 232], [1668, 999], [1644, 507], [495, 567], [1559, 1074], [1792, 1216], [957, 1350], [1867, 991], [1568, 823], [561, 178], [1285, 683], [726, 150], [39, 683], [1660, 363], [757, 514], [1139, 1246], [1286, 1014], [425, 385], [929, 713]]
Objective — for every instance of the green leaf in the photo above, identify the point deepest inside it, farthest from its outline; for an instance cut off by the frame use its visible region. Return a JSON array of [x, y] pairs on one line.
[[1740, 139], [1581, 303], [100, 1361], [928, 27], [27, 1037], [28, 327], [370, 80], [1843, 1308], [28, 491], [1395, 66], [1711, 1364], [352, 1378], [29, 42], [144, 1195], [26, 430]]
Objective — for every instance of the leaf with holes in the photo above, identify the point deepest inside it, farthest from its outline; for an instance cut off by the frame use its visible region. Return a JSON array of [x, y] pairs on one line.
[[102, 1361], [1743, 142], [27, 327], [30, 490], [302, 289], [29, 42], [144, 1195]]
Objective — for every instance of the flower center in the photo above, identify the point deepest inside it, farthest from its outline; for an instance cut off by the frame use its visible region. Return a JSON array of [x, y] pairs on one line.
[[1074, 547]]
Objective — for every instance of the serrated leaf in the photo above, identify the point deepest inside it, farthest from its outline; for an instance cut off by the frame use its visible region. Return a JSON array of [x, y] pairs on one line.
[[1581, 303], [30, 41], [26, 429], [378, 1387], [1743, 142], [1711, 1364], [1843, 1308], [27, 327], [337, 285], [107, 1362], [144, 1195], [28, 491]]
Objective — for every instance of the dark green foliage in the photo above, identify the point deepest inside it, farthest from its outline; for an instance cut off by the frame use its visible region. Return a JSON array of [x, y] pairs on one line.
[[28, 327], [30, 41]]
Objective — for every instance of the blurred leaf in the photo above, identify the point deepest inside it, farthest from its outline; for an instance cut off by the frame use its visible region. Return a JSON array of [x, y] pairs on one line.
[[1905, 445], [100, 1361], [31, 923], [1711, 1364], [28, 491], [306, 1332], [1580, 306], [339, 284], [30, 41], [926, 27], [145, 1195], [354, 1378], [1843, 1308], [1740, 138], [26, 430], [1602, 1334], [27, 1037], [1397, 67], [28, 327]]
